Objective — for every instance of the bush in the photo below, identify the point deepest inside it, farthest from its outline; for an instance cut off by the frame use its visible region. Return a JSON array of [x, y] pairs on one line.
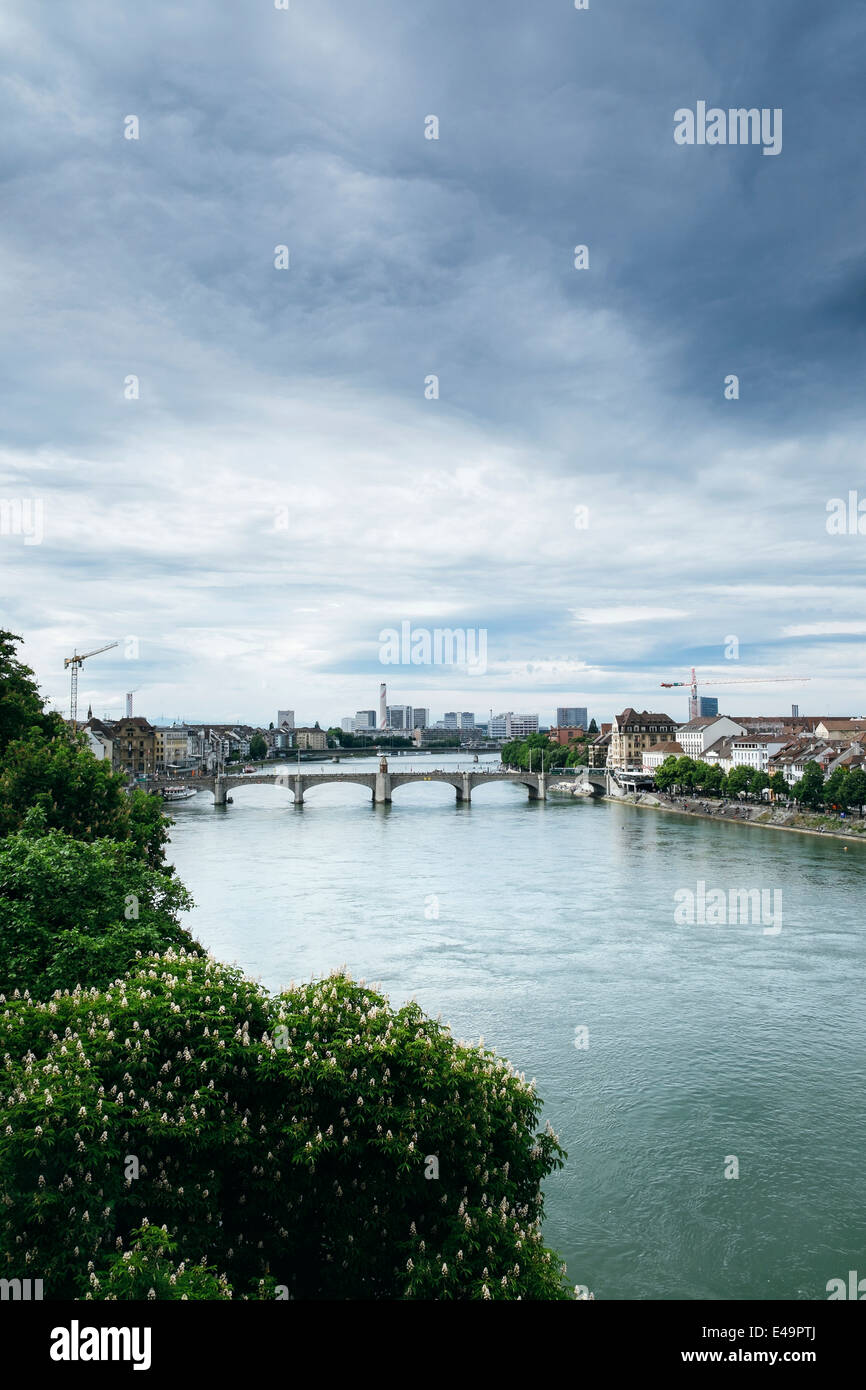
[[292, 1139]]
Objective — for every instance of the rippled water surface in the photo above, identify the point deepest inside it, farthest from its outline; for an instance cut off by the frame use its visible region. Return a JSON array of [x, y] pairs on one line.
[[704, 1041]]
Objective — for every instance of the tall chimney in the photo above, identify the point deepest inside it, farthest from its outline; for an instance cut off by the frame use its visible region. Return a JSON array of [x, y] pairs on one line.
[[129, 704], [383, 705]]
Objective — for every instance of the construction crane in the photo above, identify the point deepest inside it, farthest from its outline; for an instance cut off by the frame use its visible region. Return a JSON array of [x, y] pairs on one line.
[[743, 680], [75, 661]]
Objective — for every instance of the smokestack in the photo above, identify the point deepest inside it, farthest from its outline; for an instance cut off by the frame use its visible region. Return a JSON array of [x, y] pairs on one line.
[[129, 704], [383, 705]]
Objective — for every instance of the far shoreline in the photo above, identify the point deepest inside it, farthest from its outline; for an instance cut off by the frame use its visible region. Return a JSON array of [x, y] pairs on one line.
[[821, 834]]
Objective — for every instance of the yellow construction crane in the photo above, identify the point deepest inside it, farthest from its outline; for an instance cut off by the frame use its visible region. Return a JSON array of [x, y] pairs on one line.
[[75, 661]]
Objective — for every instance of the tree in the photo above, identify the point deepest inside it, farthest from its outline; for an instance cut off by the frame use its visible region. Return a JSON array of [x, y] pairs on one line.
[[857, 788], [148, 1269], [593, 728], [21, 705], [76, 913], [344, 1148], [779, 785], [78, 793], [739, 780], [258, 747], [665, 774], [837, 793], [758, 783], [809, 791]]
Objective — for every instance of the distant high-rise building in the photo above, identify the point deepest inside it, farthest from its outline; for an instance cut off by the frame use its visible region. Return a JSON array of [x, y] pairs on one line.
[[365, 719], [449, 719], [467, 719], [707, 705], [285, 716], [347, 725], [572, 717], [511, 725], [400, 717], [795, 711], [420, 718]]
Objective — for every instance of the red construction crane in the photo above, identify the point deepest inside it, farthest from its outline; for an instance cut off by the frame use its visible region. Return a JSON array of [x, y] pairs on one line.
[[743, 680]]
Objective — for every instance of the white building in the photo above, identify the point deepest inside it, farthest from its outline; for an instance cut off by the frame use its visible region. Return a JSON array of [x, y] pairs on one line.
[[700, 734], [747, 750], [511, 725], [347, 725], [287, 717], [654, 757]]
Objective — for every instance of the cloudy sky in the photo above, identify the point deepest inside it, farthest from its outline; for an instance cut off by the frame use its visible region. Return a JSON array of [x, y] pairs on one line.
[[282, 489]]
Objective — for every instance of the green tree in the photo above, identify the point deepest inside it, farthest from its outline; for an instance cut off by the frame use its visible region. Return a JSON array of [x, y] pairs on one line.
[[857, 788], [258, 747], [343, 1148], [21, 705], [778, 784], [665, 774], [78, 793], [149, 1270], [593, 728], [758, 783], [739, 779], [809, 791], [77, 913]]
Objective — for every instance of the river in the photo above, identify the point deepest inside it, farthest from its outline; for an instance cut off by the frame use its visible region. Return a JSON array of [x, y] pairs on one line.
[[523, 922]]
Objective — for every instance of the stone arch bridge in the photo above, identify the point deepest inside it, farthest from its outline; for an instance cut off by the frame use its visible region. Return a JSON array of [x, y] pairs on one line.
[[384, 783]]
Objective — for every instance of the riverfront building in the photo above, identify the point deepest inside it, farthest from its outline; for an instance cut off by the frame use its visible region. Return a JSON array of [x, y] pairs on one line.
[[133, 747], [701, 733], [633, 733]]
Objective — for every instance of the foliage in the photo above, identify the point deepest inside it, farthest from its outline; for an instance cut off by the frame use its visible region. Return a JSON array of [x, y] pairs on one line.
[[810, 788], [21, 704], [544, 754], [78, 794], [285, 1138], [258, 747], [779, 785], [147, 1270], [76, 913]]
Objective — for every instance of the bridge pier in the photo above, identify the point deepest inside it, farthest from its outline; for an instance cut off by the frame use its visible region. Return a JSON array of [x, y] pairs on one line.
[[219, 791], [464, 788], [539, 791], [382, 789], [299, 791]]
